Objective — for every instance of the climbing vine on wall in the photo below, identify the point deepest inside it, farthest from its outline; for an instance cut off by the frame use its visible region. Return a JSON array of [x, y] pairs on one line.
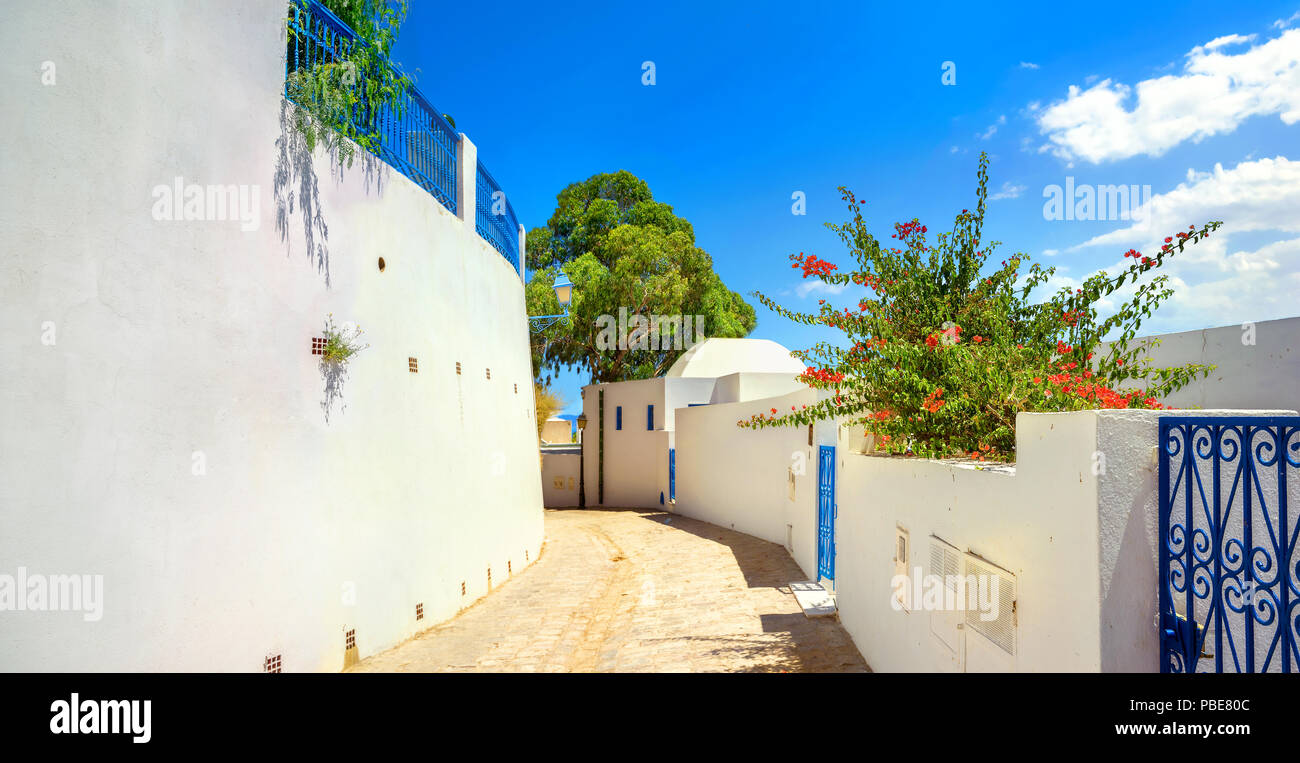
[[341, 92]]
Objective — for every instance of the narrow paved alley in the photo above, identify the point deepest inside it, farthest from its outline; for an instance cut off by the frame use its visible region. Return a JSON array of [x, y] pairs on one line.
[[636, 591]]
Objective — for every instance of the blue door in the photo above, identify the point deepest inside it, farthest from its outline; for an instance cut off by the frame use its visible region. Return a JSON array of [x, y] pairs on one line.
[[826, 513], [1228, 582], [672, 474]]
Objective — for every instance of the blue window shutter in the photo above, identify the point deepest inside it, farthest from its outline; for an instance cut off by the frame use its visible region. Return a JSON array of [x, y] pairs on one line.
[[618, 417], [649, 418]]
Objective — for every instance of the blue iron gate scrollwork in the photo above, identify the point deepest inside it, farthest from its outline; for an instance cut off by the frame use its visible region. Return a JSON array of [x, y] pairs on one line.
[[1228, 567]]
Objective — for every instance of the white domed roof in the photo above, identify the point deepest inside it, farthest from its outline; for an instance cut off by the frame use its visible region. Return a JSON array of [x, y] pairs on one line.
[[719, 357]]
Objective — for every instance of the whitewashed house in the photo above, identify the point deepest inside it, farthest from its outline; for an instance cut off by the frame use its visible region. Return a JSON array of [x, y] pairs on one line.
[[629, 439]]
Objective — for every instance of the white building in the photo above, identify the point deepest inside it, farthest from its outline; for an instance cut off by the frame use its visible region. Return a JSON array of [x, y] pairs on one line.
[[629, 440]]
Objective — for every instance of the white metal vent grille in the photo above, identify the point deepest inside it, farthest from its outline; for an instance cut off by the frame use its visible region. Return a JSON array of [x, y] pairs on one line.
[[945, 561], [1001, 630]]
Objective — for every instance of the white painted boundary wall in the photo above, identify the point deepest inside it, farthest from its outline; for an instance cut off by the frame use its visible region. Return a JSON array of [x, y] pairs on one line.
[[560, 479], [740, 478], [1262, 374], [1081, 545], [177, 341]]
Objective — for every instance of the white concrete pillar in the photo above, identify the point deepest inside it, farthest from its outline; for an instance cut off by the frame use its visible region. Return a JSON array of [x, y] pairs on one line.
[[466, 181], [522, 236]]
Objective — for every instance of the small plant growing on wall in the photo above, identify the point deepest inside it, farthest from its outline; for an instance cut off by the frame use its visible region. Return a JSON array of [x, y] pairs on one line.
[[339, 346]]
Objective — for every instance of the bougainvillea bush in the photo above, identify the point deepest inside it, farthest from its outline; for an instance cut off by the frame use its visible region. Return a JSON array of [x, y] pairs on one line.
[[946, 347]]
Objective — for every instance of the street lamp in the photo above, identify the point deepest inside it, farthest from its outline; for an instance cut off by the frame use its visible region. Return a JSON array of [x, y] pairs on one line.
[[582, 461], [563, 293]]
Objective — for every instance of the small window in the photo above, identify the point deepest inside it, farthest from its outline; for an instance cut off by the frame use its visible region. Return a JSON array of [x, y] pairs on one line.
[[649, 418], [618, 417]]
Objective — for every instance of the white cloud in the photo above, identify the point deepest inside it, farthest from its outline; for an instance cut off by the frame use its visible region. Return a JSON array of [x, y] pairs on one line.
[[1216, 283], [993, 128], [1215, 93], [812, 286], [1008, 191], [1028, 65], [1284, 23], [1050, 252]]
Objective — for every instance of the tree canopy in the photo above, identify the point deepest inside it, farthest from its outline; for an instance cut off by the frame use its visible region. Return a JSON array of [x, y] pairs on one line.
[[626, 252]]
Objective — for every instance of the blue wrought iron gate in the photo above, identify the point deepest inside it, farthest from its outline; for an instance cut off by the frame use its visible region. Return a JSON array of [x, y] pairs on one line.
[[672, 474], [826, 513], [1228, 569]]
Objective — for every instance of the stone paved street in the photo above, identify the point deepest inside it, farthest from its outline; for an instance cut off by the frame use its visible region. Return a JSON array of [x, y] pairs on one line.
[[636, 591]]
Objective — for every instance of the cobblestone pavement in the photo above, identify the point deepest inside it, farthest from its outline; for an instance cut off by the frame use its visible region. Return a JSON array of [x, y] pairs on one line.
[[636, 591]]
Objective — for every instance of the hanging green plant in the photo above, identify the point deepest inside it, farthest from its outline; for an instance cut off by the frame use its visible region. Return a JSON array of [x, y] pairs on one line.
[[345, 92]]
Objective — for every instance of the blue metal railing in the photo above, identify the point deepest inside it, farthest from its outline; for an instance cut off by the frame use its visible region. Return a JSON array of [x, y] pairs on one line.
[[494, 218], [412, 137]]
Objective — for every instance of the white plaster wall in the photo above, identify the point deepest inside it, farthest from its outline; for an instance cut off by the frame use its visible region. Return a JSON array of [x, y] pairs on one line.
[[183, 337], [1039, 523], [560, 477], [739, 387], [738, 478], [557, 431], [681, 392], [1256, 368], [636, 459]]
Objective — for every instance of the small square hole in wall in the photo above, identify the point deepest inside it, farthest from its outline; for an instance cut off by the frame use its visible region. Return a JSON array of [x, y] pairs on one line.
[[413, 365], [350, 639], [272, 664], [419, 611], [318, 345], [458, 368]]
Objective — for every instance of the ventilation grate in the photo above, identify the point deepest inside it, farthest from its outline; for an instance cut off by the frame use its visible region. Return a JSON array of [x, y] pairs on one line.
[[489, 373], [272, 664], [419, 611], [509, 569], [1001, 630], [318, 345], [350, 639], [458, 368], [489, 578], [413, 365], [462, 588]]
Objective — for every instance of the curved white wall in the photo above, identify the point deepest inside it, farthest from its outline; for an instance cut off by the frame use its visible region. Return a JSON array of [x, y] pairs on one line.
[[174, 338]]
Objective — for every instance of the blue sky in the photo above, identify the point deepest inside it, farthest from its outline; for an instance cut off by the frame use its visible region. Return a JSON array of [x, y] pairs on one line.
[[752, 102]]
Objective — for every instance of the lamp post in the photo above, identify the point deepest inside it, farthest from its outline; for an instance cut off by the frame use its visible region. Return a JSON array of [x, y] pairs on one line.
[[582, 461], [563, 293]]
